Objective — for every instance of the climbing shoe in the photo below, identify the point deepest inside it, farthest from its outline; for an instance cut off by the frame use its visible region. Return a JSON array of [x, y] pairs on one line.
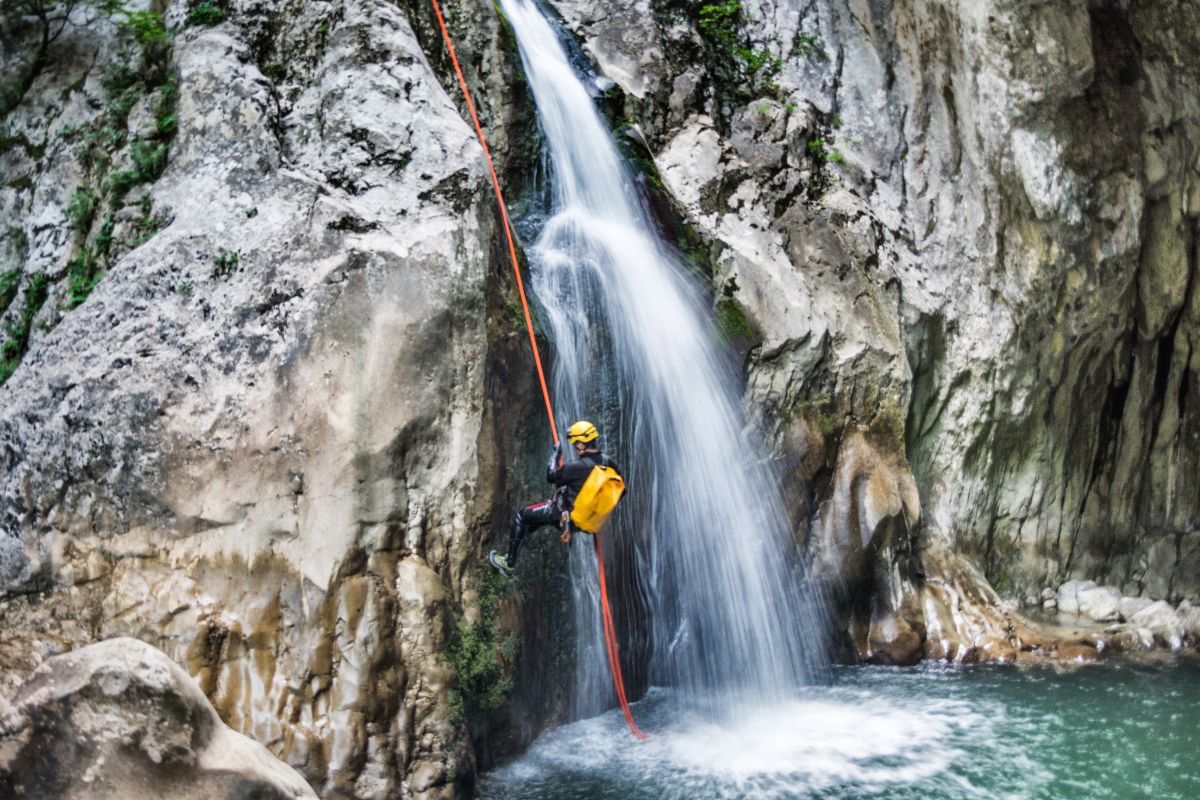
[[500, 563]]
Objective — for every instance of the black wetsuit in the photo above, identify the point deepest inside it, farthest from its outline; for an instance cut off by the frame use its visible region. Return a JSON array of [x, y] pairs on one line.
[[569, 478]]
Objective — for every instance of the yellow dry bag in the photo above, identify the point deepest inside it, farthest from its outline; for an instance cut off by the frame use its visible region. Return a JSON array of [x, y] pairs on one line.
[[597, 499]]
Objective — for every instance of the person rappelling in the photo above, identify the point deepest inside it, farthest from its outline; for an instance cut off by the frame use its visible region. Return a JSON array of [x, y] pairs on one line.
[[588, 489], [591, 502]]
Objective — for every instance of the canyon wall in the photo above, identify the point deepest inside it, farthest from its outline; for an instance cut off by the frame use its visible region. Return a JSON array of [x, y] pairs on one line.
[[267, 400], [957, 245], [265, 441]]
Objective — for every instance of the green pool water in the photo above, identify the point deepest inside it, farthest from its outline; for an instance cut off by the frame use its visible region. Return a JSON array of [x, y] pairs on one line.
[[1105, 731]]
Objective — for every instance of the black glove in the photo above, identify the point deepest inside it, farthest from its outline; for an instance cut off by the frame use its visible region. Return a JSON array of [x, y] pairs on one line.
[[555, 458]]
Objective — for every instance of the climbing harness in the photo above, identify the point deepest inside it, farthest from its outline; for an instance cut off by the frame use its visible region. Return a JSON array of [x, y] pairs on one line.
[[610, 631]]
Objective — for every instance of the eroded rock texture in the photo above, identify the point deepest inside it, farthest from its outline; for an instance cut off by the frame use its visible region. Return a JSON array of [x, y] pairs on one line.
[[964, 240], [120, 720], [265, 441], [955, 245]]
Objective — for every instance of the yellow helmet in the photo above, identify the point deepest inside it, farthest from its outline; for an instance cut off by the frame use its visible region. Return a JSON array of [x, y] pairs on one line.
[[582, 431]]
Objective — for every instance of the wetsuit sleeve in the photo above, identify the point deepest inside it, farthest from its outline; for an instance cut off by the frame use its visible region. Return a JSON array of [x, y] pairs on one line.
[[574, 472], [554, 465]]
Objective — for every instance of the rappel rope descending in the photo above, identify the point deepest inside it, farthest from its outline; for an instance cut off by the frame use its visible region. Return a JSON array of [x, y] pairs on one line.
[[610, 631]]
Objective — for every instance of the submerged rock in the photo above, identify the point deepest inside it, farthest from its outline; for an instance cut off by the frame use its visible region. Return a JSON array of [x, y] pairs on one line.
[[119, 720], [994, 650], [1076, 652], [1161, 620], [1129, 639]]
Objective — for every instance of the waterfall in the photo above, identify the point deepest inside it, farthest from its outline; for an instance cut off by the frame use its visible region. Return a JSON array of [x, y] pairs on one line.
[[637, 352]]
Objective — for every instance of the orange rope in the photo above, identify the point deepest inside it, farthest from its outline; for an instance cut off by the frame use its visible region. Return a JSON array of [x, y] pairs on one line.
[[610, 640], [512, 248], [610, 630]]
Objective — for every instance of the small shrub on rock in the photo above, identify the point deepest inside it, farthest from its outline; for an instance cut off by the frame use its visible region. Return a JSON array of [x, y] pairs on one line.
[[206, 12]]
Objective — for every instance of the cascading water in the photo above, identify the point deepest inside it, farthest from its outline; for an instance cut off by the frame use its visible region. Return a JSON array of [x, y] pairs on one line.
[[636, 350]]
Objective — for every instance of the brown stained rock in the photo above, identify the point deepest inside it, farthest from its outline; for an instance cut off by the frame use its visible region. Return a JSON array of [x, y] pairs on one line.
[[1129, 639], [894, 640], [871, 488], [966, 622], [119, 720], [996, 651], [942, 642], [1076, 652], [863, 538]]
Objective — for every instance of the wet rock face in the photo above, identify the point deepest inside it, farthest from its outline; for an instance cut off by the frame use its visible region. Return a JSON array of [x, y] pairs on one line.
[[121, 720], [969, 234]]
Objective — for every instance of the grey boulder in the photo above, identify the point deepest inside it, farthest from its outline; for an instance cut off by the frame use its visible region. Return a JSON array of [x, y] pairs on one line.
[[1068, 595], [1132, 605], [1101, 603], [119, 720]]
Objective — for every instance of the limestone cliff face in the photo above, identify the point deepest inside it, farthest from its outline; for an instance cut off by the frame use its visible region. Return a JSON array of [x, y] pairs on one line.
[[264, 442], [964, 237], [257, 415]]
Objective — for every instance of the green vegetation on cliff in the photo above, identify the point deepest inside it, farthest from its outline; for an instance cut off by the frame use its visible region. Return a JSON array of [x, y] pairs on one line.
[[740, 61], [17, 334], [9, 281], [478, 651], [139, 74], [721, 24]]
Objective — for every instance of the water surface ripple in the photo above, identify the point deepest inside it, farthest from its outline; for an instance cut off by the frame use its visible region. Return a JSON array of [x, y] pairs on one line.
[[1114, 731]]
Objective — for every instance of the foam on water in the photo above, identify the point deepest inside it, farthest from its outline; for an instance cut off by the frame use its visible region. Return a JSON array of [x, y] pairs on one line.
[[826, 740], [893, 734]]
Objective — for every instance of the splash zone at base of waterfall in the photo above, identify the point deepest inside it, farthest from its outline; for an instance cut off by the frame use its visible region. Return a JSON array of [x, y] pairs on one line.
[[732, 615]]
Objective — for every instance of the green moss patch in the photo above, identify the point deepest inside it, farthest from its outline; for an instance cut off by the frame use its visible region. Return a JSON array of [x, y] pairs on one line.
[[10, 281], [478, 652], [732, 320]]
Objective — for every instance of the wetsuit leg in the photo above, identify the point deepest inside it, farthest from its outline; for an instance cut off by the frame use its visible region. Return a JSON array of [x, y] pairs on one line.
[[526, 522]]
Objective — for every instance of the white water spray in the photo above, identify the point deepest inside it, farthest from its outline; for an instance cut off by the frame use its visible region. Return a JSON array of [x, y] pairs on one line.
[[637, 352]]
